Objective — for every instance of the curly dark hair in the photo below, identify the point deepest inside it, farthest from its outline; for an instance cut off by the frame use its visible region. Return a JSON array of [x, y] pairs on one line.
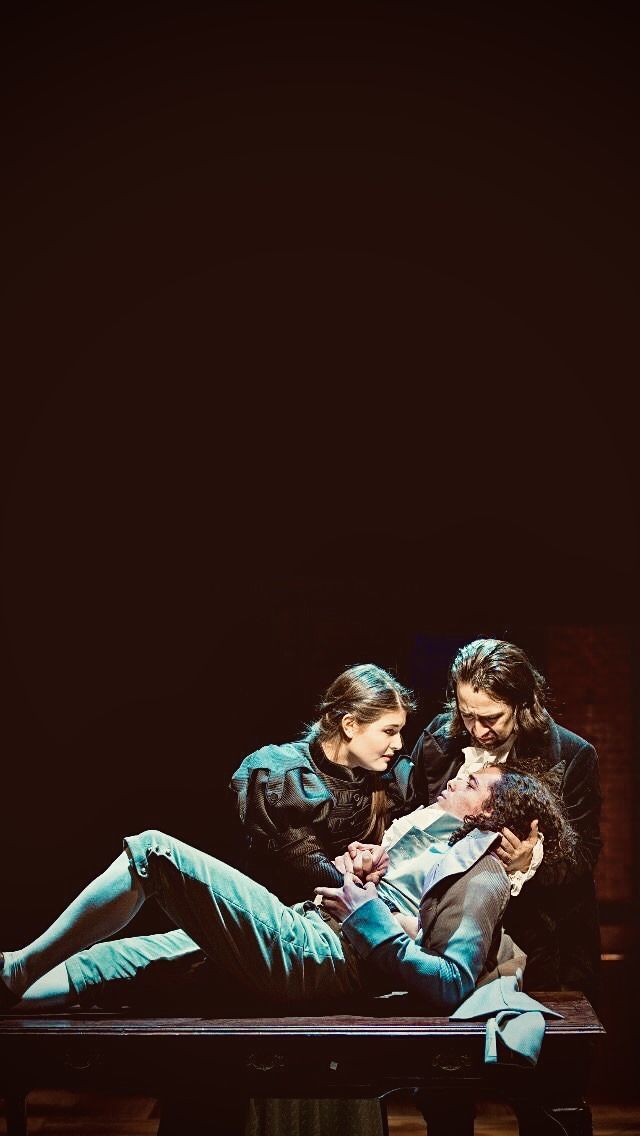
[[504, 672], [517, 799]]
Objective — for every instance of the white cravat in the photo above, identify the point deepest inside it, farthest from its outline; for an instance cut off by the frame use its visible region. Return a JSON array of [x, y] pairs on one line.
[[422, 817], [475, 757]]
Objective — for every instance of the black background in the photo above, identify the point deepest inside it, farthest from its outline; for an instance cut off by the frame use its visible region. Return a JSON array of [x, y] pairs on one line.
[[319, 333]]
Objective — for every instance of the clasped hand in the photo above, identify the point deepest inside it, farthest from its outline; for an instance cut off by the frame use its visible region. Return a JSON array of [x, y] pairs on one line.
[[367, 862], [362, 865]]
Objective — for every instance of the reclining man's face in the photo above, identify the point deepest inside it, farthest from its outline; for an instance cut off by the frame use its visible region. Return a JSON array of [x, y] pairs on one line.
[[469, 794]]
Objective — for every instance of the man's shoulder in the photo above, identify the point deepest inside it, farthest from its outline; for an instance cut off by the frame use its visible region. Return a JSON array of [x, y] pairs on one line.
[[565, 744], [568, 737], [487, 875], [438, 725], [463, 857], [437, 732]]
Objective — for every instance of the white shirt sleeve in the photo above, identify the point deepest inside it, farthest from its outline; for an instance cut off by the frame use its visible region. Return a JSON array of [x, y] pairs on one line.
[[519, 878]]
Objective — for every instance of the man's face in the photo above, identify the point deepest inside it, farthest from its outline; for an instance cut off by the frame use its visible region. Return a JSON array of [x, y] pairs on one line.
[[489, 721], [469, 794]]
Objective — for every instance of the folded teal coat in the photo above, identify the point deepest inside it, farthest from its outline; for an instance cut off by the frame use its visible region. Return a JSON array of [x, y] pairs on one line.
[[515, 1021]]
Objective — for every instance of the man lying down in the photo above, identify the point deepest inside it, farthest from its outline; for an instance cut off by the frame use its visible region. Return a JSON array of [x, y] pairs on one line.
[[258, 947]]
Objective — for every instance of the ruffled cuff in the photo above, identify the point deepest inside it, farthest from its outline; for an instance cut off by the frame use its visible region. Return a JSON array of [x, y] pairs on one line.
[[517, 879]]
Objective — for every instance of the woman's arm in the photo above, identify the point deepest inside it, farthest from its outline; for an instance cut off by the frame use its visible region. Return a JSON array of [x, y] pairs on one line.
[[369, 862], [283, 816], [294, 825]]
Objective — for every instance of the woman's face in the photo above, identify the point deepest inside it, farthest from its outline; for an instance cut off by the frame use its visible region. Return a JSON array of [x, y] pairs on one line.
[[373, 745]]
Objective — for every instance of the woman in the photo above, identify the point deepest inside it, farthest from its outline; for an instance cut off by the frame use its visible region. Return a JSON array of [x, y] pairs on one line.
[[303, 802]]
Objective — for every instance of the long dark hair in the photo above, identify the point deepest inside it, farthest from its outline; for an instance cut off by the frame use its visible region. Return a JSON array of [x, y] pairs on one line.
[[504, 672], [367, 692], [515, 800]]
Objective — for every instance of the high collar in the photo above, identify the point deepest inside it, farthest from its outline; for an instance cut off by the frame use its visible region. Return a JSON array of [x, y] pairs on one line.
[[331, 768]]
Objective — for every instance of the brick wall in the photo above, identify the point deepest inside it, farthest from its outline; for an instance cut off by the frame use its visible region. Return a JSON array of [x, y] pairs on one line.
[[589, 670]]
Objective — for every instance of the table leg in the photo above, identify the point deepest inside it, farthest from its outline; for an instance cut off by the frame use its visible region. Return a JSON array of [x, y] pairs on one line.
[[16, 1106], [202, 1115], [547, 1120], [446, 1114]]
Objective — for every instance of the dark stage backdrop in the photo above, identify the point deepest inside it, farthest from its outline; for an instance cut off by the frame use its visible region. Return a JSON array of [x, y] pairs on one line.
[[317, 323]]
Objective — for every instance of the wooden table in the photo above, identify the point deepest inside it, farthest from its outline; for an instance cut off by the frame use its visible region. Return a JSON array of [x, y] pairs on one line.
[[321, 1056]]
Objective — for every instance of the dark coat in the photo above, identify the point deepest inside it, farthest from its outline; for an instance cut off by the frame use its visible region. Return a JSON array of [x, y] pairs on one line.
[[299, 810], [555, 917]]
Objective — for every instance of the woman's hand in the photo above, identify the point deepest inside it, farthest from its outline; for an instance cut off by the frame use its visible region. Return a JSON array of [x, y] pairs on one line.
[[342, 902], [516, 854], [368, 862]]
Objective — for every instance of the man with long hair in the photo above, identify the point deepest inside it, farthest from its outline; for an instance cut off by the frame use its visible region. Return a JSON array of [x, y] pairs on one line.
[[495, 714]]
